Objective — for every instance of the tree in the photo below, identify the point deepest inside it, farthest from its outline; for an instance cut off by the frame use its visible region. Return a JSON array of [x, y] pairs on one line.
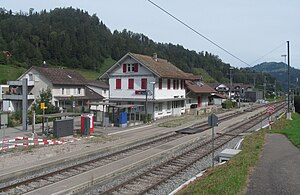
[[46, 97]]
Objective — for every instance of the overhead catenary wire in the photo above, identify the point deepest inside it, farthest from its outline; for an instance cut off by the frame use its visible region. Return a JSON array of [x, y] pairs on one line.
[[269, 52], [198, 33]]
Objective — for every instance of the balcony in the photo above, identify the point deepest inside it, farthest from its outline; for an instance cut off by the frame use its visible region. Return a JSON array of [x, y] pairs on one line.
[[19, 83], [16, 97]]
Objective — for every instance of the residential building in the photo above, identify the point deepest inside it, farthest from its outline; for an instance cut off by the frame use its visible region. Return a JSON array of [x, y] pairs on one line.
[[143, 84], [198, 92], [69, 89]]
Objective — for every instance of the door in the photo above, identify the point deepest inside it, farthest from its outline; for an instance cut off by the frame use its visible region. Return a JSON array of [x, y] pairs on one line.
[[199, 102]]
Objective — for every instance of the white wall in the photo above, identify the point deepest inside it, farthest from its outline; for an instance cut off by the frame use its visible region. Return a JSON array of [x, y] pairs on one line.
[[143, 73]]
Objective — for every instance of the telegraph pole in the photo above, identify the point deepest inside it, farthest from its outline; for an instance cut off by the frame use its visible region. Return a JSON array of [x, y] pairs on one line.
[[288, 74]]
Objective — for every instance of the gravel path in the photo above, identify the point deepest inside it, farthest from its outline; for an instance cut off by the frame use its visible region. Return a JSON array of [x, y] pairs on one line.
[[278, 170]]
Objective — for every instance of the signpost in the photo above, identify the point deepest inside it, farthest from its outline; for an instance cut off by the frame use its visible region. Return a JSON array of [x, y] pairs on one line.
[[43, 107], [213, 121]]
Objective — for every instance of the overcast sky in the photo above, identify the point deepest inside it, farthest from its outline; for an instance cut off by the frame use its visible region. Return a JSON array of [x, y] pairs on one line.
[[249, 29]]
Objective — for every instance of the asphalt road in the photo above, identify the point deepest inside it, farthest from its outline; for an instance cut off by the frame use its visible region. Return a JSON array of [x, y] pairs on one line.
[[278, 169]]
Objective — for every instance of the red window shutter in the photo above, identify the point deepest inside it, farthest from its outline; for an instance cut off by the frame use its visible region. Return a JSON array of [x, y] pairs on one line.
[[160, 83], [130, 83], [144, 84], [124, 67], [118, 83], [136, 67], [169, 84]]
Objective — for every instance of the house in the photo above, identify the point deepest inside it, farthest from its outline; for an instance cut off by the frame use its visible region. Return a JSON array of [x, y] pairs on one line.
[[69, 89], [233, 91], [142, 84], [198, 92]]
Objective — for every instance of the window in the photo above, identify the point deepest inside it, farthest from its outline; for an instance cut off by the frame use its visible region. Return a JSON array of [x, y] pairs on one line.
[[130, 83], [131, 67], [62, 91], [30, 77], [160, 106], [174, 84], [160, 83], [169, 105], [118, 83], [181, 84], [144, 84], [169, 84], [79, 90]]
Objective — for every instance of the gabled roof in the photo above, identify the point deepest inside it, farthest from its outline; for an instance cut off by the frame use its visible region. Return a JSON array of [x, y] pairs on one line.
[[98, 83], [204, 88], [160, 67], [59, 76]]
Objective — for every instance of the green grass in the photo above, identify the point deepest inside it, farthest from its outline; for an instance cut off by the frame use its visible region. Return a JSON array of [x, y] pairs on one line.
[[230, 178], [10, 73], [92, 74], [290, 128]]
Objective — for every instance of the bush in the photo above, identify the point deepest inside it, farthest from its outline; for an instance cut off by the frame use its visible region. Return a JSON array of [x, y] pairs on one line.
[[146, 118], [227, 104]]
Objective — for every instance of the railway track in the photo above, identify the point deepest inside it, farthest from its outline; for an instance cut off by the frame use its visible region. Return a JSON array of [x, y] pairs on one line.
[[152, 178], [41, 179], [23, 185]]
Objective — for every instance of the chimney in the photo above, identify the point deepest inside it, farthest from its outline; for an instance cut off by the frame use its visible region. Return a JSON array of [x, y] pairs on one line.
[[154, 56]]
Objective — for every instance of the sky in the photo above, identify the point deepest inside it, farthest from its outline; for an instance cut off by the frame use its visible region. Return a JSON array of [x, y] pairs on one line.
[[254, 31]]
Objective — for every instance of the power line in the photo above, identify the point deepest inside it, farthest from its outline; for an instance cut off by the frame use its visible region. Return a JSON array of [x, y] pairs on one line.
[[198, 33], [269, 53]]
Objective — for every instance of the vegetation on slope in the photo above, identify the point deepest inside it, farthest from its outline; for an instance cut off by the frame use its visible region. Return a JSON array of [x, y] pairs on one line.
[[72, 38]]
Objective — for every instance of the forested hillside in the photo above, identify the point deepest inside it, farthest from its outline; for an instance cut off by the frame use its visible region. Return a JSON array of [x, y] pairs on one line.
[[279, 72], [73, 38]]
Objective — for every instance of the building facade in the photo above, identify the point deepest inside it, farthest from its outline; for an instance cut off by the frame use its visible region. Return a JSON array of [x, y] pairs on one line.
[[147, 85]]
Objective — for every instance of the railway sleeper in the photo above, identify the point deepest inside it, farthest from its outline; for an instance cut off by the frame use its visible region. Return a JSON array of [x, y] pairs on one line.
[[162, 172]]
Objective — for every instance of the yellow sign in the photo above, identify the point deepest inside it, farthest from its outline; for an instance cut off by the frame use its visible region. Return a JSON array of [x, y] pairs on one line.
[[43, 105]]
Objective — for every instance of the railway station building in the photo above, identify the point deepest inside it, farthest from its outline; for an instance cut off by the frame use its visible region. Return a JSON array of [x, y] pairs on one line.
[[146, 86]]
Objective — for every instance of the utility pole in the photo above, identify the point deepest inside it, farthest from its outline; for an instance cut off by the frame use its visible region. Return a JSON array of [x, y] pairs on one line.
[[230, 74], [264, 96], [288, 74]]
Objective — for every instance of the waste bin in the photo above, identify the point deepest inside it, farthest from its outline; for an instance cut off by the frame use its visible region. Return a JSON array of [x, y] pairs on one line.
[[123, 119]]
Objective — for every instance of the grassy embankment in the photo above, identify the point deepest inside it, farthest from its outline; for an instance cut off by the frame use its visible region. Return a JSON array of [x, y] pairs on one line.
[[231, 178], [12, 72]]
